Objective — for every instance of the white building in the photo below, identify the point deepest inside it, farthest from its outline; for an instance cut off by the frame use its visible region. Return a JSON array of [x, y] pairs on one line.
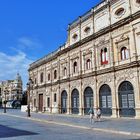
[[98, 66]]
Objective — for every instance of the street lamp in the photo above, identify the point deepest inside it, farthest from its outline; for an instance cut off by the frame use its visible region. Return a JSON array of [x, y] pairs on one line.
[[29, 88], [5, 93]]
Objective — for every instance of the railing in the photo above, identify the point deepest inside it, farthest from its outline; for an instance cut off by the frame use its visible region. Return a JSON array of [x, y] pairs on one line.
[[87, 14], [100, 5], [44, 58]]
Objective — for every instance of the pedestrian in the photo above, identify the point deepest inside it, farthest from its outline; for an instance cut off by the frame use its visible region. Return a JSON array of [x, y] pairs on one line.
[[91, 112], [99, 114]]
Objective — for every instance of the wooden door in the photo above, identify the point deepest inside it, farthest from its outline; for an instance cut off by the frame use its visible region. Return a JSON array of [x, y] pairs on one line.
[[41, 102]]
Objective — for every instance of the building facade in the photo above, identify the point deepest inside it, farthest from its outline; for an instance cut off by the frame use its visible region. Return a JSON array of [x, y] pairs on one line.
[[11, 90], [98, 66]]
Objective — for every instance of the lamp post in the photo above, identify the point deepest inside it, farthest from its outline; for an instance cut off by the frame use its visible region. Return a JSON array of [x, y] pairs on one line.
[[29, 87], [5, 92]]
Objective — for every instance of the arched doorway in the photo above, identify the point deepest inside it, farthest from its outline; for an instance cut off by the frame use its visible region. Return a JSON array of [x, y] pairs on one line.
[[126, 99], [75, 101], [88, 99], [64, 102], [105, 100]]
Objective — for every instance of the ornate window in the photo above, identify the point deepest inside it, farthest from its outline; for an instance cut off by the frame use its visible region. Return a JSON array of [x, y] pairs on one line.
[[104, 56], [55, 74], [41, 77], [65, 71], [88, 64], [119, 12], [87, 30], [75, 67], [124, 53], [75, 36], [49, 77]]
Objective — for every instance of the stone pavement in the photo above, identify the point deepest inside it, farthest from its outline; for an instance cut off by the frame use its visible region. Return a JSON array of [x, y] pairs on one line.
[[124, 126]]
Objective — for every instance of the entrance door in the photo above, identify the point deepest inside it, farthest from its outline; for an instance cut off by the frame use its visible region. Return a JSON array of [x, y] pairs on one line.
[[40, 102], [126, 99], [75, 101], [88, 99], [64, 102], [105, 100]]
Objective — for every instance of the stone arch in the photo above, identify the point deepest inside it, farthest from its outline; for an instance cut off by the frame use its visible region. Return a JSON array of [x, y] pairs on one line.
[[75, 101], [105, 100], [126, 99], [64, 97], [88, 99]]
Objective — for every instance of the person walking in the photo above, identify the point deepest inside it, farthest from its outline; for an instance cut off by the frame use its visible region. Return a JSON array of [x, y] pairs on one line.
[[91, 112], [99, 114]]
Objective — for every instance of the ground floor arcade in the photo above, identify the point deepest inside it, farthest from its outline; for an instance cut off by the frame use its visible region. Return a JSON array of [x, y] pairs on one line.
[[115, 99]]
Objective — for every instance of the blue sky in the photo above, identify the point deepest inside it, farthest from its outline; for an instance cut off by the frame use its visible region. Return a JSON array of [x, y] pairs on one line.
[[30, 29]]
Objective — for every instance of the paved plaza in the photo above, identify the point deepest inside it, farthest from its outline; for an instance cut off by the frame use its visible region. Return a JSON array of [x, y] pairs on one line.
[[13, 128], [125, 128]]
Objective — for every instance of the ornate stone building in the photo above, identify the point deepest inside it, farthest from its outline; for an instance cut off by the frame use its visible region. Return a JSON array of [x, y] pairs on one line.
[[13, 88], [98, 66]]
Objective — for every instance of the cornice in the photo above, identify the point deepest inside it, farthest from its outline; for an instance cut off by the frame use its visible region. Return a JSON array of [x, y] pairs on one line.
[[92, 74]]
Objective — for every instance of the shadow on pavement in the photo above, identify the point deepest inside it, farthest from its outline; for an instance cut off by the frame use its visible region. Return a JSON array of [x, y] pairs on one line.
[[135, 139], [6, 132]]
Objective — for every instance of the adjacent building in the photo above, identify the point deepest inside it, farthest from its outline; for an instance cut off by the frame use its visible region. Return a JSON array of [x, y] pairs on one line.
[[98, 66], [11, 90]]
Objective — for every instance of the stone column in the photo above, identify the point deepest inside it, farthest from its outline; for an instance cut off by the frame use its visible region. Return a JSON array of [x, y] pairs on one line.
[[59, 100], [68, 103], [51, 100], [114, 99], [81, 106], [137, 95], [44, 100], [95, 95], [132, 44], [37, 100]]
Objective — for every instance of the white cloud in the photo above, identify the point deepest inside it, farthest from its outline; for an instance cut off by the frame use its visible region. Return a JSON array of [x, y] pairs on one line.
[[28, 43], [11, 64], [25, 50]]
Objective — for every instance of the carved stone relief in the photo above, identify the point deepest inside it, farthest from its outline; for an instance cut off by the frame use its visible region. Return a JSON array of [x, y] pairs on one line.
[[54, 89], [88, 82], [124, 75], [74, 56], [75, 84], [104, 79], [64, 86]]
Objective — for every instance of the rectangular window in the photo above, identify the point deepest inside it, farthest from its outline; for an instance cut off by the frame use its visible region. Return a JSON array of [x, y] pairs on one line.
[[64, 103], [104, 102], [109, 99], [55, 97], [41, 77], [74, 102], [87, 102], [124, 101], [48, 102], [131, 104]]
